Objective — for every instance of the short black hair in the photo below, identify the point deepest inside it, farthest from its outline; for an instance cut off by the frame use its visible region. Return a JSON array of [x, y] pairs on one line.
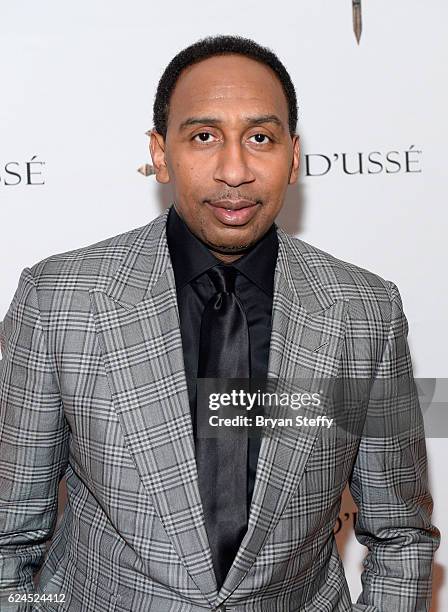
[[209, 47]]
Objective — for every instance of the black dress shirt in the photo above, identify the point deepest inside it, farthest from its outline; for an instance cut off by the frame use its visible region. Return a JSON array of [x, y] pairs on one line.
[[254, 286]]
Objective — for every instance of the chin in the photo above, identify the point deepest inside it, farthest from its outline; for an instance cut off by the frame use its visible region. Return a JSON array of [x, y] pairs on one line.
[[231, 250], [226, 241], [223, 246]]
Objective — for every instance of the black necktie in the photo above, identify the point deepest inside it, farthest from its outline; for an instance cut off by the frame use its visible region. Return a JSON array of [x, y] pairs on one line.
[[222, 463]]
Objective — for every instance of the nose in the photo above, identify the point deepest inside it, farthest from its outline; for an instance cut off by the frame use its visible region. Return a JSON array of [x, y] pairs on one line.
[[232, 166]]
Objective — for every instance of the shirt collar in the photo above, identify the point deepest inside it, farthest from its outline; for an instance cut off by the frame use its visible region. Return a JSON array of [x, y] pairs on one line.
[[191, 257]]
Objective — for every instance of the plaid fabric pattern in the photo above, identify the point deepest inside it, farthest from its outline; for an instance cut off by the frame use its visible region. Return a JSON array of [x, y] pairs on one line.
[[93, 387]]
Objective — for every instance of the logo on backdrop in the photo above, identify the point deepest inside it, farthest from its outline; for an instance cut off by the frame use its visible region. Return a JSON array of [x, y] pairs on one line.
[[357, 19], [373, 162], [29, 172]]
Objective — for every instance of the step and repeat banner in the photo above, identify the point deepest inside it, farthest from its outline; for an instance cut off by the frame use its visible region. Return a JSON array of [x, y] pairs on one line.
[[78, 83]]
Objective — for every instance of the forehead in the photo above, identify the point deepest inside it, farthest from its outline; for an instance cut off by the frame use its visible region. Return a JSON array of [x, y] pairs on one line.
[[227, 84]]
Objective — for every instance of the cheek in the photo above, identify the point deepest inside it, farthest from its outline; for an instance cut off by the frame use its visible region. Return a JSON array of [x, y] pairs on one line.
[[273, 187], [190, 176], [273, 172]]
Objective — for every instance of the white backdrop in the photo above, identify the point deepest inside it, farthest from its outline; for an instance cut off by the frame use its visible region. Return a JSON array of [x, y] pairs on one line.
[[77, 86]]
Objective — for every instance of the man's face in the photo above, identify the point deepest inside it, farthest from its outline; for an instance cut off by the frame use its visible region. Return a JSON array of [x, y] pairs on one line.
[[228, 152]]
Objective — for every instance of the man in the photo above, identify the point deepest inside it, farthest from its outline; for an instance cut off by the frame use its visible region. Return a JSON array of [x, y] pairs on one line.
[[101, 349]]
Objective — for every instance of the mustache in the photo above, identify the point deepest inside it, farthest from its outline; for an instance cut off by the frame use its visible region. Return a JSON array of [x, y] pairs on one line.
[[232, 195]]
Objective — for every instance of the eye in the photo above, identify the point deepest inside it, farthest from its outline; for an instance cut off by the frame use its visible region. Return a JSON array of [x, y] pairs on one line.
[[203, 137], [261, 138]]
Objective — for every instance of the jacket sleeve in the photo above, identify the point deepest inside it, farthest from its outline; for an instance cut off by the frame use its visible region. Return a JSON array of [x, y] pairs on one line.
[[33, 444], [389, 484]]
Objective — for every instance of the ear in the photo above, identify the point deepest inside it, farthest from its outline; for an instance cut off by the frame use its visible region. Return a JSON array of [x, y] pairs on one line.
[[157, 150], [295, 166]]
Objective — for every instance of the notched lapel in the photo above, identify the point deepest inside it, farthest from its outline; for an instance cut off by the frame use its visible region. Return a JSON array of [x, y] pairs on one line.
[[308, 328], [137, 322]]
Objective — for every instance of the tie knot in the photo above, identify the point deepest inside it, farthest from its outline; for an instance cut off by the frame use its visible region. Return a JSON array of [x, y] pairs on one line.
[[223, 278]]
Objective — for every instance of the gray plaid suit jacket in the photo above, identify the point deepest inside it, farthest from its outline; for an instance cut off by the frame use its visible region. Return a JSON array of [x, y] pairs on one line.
[[93, 387]]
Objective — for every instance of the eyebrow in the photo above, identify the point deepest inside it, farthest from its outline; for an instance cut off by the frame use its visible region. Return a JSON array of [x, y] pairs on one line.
[[250, 120]]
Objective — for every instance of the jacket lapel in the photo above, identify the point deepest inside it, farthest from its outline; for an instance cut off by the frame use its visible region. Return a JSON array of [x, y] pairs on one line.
[[137, 322], [306, 342]]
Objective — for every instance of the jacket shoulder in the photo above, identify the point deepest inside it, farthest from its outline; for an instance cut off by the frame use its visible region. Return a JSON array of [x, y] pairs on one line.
[[88, 265], [343, 279]]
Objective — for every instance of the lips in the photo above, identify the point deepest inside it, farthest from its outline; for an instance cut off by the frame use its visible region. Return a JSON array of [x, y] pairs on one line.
[[233, 204], [233, 212]]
